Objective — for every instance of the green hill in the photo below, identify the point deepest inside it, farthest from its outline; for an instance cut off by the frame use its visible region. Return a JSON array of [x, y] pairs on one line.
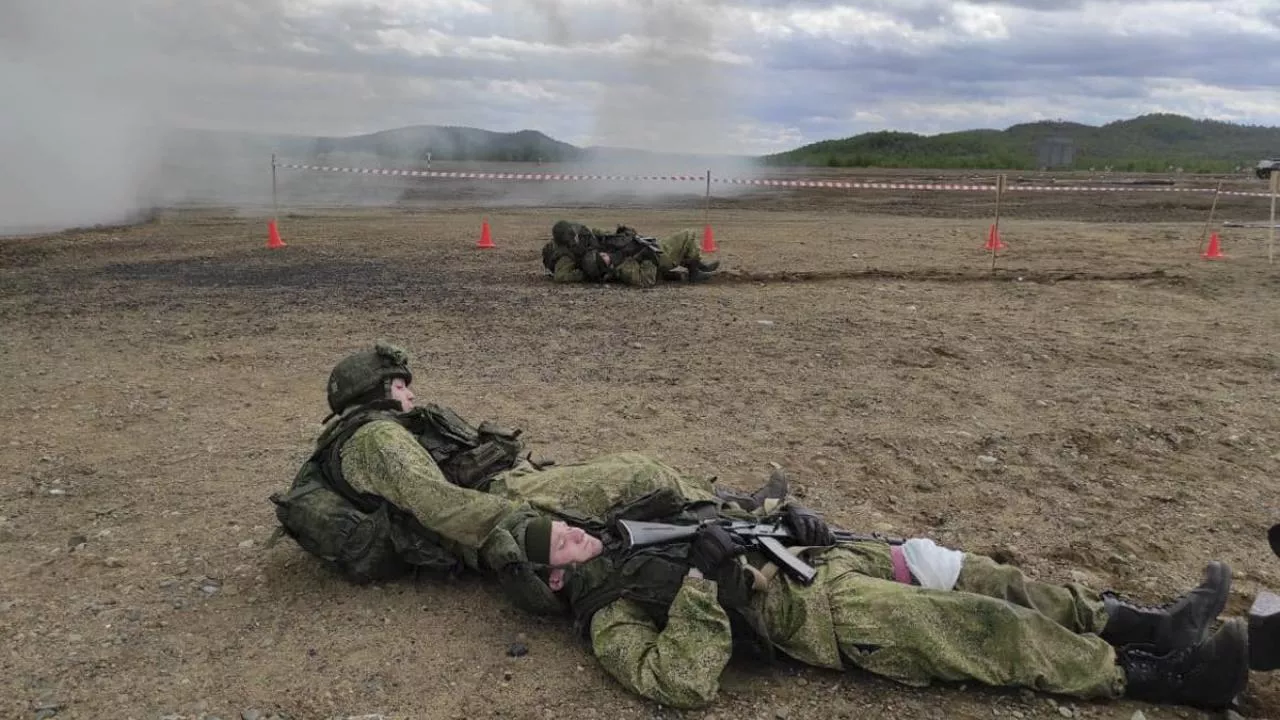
[[1146, 143], [1149, 143]]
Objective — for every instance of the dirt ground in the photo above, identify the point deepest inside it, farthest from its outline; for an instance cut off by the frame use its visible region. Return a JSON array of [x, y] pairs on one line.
[[1099, 408]]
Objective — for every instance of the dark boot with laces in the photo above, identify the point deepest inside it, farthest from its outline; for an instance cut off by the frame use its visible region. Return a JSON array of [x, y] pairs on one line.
[[776, 488], [1208, 675], [699, 270], [1176, 625]]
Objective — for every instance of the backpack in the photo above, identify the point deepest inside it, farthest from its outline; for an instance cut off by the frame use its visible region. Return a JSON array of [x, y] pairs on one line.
[[363, 547]]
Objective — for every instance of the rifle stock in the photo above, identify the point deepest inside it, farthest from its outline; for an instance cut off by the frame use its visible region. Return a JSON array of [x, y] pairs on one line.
[[639, 533]]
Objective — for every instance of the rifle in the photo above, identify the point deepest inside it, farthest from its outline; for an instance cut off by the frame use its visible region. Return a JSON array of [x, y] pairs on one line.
[[625, 242], [765, 536]]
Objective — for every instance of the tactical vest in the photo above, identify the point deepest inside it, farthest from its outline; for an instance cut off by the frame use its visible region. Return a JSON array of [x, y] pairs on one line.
[[365, 538]]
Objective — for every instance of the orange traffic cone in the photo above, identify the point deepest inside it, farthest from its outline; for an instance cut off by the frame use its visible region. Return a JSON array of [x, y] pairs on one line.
[[273, 236], [993, 240], [486, 238], [1215, 248], [708, 239]]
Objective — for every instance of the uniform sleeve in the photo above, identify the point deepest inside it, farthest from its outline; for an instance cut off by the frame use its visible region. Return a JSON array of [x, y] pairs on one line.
[[384, 459], [679, 666], [567, 271]]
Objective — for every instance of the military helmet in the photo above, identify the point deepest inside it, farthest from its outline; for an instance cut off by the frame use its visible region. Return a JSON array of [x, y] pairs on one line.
[[363, 376]]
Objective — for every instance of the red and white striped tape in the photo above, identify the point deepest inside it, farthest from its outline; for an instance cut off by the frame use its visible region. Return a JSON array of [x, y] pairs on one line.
[[764, 181]]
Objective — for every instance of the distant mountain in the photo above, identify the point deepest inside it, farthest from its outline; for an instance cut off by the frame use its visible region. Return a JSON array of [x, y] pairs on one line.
[[1146, 143], [452, 143], [408, 146]]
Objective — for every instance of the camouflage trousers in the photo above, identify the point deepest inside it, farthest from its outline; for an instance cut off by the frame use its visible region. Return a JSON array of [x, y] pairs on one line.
[[594, 487], [677, 249], [996, 627]]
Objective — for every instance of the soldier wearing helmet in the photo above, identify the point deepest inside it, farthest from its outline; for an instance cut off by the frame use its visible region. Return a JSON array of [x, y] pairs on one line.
[[369, 376], [394, 486], [577, 253]]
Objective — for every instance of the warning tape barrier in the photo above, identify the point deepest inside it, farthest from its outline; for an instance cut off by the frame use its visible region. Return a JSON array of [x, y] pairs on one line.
[[763, 181]]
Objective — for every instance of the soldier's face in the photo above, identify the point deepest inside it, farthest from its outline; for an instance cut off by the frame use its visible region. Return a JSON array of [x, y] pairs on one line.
[[570, 545], [400, 391]]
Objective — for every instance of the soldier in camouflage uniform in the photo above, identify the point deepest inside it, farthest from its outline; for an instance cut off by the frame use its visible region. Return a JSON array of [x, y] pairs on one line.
[[577, 253], [663, 620], [391, 487]]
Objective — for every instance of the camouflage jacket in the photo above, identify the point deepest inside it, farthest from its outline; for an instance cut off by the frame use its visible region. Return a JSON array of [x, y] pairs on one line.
[[677, 660], [679, 665], [384, 459]]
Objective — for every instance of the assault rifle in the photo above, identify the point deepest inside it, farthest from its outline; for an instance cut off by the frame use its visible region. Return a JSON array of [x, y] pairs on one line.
[[626, 240], [768, 537]]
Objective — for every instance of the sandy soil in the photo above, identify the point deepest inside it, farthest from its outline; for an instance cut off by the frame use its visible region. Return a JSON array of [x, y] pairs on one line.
[[161, 380]]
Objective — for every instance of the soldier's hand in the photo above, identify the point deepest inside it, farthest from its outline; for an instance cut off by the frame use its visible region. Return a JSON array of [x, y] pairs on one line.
[[712, 547], [807, 526]]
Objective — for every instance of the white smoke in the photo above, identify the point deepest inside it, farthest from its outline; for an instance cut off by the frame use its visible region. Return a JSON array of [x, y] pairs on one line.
[[94, 90], [675, 111], [77, 145]]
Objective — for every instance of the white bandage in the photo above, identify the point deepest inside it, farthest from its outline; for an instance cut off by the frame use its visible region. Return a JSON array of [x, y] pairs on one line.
[[933, 566]]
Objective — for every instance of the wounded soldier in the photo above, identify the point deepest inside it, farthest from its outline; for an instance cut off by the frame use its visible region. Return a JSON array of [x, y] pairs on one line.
[[577, 253], [663, 619]]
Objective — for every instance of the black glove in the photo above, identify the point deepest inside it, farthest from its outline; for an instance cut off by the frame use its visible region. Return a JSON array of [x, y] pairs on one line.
[[712, 547], [809, 529]]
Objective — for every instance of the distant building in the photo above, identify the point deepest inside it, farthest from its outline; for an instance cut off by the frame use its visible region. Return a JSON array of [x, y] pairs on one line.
[[1055, 152]]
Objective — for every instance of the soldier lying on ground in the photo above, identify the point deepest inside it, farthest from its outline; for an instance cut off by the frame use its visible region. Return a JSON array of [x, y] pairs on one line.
[[663, 620], [391, 487], [577, 253]]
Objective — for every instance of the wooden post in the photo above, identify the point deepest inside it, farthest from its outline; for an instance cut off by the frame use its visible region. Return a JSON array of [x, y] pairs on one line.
[[275, 202], [996, 238], [1204, 235], [1271, 244], [706, 212]]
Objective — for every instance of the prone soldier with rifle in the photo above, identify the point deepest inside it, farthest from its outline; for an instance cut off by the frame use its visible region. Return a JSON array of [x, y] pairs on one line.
[[663, 606], [577, 253]]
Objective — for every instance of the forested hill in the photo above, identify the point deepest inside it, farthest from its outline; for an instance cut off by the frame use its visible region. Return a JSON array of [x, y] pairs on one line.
[[1146, 143]]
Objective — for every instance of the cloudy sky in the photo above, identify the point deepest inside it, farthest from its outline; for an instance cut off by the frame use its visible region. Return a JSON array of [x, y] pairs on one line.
[[738, 76]]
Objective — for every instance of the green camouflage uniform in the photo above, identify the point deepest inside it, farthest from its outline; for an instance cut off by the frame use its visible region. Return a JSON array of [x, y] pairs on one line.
[[678, 250], [996, 627], [581, 264], [595, 487], [382, 458]]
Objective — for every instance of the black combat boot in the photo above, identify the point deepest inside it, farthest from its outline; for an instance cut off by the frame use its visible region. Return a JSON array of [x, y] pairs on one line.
[[1179, 624], [699, 270], [1207, 675], [776, 488], [1264, 632]]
